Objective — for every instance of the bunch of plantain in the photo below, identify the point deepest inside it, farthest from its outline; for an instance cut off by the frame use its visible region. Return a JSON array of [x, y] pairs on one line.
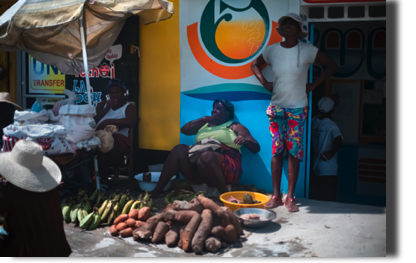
[[96, 220], [182, 195]]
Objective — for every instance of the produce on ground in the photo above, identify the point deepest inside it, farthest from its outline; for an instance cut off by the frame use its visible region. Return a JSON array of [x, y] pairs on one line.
[[115, 207], [213, 228]]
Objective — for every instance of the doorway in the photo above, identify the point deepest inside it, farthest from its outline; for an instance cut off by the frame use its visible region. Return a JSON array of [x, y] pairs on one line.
[[359, 49]]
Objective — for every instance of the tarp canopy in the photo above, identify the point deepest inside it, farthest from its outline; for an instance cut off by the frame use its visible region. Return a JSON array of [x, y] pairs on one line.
[[49, 30]]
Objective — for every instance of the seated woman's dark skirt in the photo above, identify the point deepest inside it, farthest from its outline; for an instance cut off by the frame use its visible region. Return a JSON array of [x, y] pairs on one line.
[[115, 157], [231, 167]]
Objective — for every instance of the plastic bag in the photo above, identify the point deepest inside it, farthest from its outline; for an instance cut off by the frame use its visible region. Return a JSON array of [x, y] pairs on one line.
[[29, 117], [50, 137], [78, 121], [54, 145], [88, 144]]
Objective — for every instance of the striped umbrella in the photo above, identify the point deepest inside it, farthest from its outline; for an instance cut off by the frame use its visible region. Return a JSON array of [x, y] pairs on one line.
[[73, 35]]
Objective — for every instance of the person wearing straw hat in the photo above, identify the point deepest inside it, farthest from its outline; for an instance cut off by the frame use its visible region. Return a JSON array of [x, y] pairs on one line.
[[288, 110], [7, 109], [30, 200]]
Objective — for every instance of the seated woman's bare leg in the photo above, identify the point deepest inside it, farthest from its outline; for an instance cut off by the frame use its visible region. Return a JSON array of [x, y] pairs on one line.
[[103, 168], [209, 166], [176, 162]]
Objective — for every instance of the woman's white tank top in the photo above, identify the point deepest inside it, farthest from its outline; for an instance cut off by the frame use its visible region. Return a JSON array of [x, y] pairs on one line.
[[117, 114]]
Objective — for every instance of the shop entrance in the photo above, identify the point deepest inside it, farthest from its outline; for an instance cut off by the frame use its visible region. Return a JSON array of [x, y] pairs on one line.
[[359, 48]]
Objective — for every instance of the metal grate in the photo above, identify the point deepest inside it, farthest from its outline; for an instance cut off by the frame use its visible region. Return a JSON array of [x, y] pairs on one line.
[[372, 170]]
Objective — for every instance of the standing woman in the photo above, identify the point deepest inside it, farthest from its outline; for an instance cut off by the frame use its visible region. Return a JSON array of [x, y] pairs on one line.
[[288, 110]]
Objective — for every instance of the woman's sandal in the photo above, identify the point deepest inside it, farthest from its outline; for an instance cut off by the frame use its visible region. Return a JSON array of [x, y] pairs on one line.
[[272, 202], [291, 206]]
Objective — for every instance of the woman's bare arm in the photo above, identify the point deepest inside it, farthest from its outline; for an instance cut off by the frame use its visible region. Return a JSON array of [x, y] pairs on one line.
[[256, 68], [244, 138]]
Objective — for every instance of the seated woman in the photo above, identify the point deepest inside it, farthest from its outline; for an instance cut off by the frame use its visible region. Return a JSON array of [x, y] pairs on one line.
[[212, 168], [115, 111]]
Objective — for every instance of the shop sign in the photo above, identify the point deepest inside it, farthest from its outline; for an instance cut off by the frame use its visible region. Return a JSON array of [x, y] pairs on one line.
[[45, 78], [103, 71]]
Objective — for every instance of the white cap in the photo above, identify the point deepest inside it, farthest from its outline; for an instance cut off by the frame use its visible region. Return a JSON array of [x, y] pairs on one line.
[[325, 104]]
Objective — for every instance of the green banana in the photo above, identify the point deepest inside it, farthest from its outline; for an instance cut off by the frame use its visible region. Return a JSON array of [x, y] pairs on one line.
[[87, 205], [107, 210], [85, 212], [66, 210], [126, 208], [102, 208], [135, 205], [140, 197], [123, 200], [96, 221], [73, 214], [154, 209], [80, 215], [86, 221], [94, 196], [146, 197], [113, 214], [99, 197]]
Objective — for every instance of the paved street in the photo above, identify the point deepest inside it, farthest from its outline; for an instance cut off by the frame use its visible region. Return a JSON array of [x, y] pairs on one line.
[[319, 229]]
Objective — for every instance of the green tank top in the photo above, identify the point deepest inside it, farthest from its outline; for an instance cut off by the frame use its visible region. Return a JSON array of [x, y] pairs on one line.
[[221, 133]]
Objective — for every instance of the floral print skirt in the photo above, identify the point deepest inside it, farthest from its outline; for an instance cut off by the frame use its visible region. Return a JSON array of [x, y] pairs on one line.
[[286, 128]]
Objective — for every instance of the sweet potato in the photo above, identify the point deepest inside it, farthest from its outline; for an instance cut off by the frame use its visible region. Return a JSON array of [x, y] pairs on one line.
[[218, 231], [128, 232], [161, 229], [234, 220], [225, 220], [203, 231], [181, 216], [181, 231], [209, 204], [130, 222], [193, 205], [114, 231], [121, 226], [172, 236], [213, 244], [146, 231], [167, 208], [120, 218], [189, 232], [229, 236], [139, 223], [134, 213], [144, 213]]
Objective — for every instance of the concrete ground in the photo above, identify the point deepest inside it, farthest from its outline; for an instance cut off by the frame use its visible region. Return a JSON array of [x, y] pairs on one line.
[[319, 229]]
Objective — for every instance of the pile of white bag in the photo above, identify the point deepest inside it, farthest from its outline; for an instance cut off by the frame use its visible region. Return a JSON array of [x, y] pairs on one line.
[[72, 129]]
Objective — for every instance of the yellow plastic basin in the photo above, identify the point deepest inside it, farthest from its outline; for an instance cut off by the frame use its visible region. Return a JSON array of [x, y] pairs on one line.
[[239, 195]]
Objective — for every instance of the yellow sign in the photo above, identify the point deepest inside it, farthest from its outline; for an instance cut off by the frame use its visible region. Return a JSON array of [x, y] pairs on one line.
[[45, 78]]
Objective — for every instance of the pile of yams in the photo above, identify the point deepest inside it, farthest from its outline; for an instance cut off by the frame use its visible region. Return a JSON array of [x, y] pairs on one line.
[[196, 225]]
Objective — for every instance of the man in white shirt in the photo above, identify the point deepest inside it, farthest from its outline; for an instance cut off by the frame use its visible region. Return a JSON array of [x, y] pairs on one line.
[[326, 141]]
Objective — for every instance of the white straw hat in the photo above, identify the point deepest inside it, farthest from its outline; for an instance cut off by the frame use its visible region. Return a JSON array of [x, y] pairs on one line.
[[325, 104], [302, 33], [27, 168], [5, 97]]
